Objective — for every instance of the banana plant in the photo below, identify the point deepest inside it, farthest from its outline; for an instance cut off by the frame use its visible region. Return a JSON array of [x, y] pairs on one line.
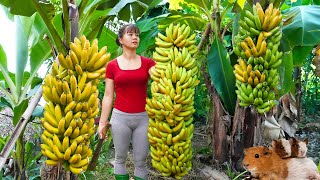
[[34, 20], [17, 86]]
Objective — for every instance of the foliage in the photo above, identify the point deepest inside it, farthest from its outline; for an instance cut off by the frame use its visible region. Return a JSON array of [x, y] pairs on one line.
[[311, 87], [220, 67], [32, 157], [201, 102], [3, 141]]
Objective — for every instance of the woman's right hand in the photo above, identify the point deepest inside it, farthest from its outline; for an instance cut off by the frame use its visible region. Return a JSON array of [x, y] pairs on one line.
[[103, 130]]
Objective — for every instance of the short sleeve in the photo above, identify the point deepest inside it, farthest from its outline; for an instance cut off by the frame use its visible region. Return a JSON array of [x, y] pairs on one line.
[[150, 63], [110, 70]]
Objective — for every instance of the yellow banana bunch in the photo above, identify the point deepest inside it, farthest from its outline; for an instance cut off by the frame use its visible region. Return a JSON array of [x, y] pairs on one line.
[[170, 109], [256, 45], [70, 91]]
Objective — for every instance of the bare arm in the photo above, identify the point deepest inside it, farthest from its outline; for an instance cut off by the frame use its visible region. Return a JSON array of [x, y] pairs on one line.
[[153, 67], [106, 108]]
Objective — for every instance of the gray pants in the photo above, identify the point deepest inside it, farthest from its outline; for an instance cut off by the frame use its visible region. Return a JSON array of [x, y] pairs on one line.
[[124, 128]]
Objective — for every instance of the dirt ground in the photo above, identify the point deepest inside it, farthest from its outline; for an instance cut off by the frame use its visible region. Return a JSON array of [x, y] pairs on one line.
[[199, 160], [202, 157]]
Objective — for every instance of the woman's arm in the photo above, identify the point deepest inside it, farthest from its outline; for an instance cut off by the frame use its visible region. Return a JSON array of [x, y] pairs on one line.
[[153, 67], [106, 108]]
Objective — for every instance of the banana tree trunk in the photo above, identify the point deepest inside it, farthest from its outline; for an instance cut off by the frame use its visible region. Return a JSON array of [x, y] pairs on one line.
[[56, 173], [245, 132], [20, 173], [219, 131]]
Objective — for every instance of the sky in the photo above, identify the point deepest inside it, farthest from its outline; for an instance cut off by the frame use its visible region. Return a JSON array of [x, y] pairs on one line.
[[7, 39]]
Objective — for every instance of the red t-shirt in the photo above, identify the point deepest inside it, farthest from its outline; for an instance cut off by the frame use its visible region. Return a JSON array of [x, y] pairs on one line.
[[130, 85]]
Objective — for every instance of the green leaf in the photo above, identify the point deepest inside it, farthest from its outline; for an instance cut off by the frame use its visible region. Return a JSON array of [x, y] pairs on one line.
[[23, 28], [19, 110], [241, 3], [4, 103], [26, 8], [147, 24], [221, 73], [300, 53], [19, 7], [5, 75], [302, 26], [123, 12], [96, 27], [286, 69], [147, 39], [108, 38], [3, 59], [203, 3], [319, 167], [153, 3], [39, 53], [194, 20], [39, 28]]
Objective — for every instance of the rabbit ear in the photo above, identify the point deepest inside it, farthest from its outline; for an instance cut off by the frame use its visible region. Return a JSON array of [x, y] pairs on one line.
[[291, 140], [274, 143], [267, 152], [245, 151]]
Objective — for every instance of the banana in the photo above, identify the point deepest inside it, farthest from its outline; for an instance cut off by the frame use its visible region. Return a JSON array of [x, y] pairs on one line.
[[81, 163], [249, 15], [52, 162], [51, 155], [50, 119], [162, 43], [82, 81], [163, 37], [256, 18], [274, 22], [55, 95], [260, 12], [75, 158], [267, 16], [62, 60], [102, 61], [158, 57], [249, 22], [86, 91]]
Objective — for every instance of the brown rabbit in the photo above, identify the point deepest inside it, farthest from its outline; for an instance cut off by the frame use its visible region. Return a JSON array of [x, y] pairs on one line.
[[265, 164], [298, 148], [282, 147]]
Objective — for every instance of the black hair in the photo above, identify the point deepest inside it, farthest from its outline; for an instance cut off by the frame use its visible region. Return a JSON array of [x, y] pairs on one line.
[[126, 28]]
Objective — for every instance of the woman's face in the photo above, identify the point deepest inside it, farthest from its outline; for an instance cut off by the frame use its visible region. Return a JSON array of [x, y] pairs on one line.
[[130, 40]]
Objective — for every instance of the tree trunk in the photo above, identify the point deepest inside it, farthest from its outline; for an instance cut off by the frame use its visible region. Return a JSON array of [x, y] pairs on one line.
[[219, 131], [298, 92], [56, 173], [20, 173], [245, 132]]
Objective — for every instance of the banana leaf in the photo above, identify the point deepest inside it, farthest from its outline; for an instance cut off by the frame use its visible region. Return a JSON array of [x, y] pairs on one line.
[[194, 20], [221, 73], [302, 26], [286, 81], [125, 9], [26, 8]]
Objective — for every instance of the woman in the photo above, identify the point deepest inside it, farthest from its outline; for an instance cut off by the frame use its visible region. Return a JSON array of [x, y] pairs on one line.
[[127, 75]]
